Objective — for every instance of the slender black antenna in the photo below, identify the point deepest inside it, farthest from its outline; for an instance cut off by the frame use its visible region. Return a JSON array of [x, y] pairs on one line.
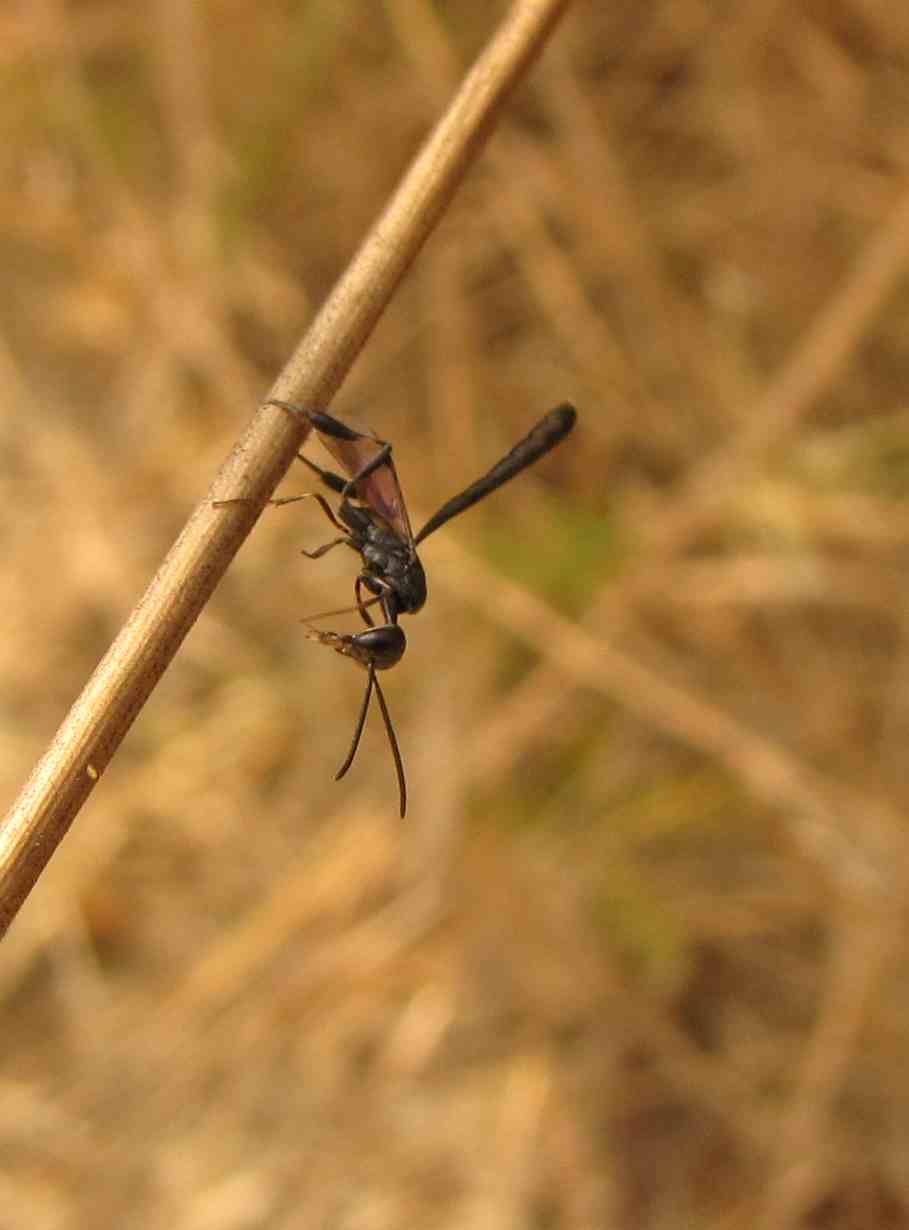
[[550, 430], [395, 750], [361, 722], [372, 682]]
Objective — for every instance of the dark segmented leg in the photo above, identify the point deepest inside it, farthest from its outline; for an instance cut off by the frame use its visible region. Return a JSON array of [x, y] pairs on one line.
[[329, 513], [326, 547], [320, 500], [361, 605], [328, 425], [345, 610], [328, 477]]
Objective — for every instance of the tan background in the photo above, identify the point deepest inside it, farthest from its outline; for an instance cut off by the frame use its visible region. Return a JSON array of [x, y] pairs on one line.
[[637, 956]]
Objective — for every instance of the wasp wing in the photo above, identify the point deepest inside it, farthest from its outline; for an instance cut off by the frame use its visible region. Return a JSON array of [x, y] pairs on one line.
[[380, 490], [357, 449]]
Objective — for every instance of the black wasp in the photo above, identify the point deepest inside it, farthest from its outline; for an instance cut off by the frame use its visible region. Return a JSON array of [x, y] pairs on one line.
[[373, 521]]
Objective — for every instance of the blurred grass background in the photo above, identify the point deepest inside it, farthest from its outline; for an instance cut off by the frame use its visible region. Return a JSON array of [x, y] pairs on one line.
[[634, 959]]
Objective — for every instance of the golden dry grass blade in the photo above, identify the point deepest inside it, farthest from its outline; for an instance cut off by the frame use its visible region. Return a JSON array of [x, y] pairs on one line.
[[818, 359], [854, 836], [95, 726]]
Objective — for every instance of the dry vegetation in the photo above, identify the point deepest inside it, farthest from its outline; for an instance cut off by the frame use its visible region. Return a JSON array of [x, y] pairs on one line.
[[634, 958]]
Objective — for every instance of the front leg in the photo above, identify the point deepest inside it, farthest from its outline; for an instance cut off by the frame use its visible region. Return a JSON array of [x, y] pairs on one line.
[[361, 605], [328, 425], [329, 513], [334, 481], [320, 500], [326, 547]]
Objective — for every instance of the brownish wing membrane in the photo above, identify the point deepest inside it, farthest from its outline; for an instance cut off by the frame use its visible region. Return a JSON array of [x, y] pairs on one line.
[[380, 490]]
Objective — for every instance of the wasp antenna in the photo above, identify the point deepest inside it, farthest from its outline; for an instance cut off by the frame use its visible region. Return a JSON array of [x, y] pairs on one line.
[[395, 750], [361, 722]]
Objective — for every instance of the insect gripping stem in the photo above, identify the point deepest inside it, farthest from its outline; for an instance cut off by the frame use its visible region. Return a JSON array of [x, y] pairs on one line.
[[373, 519]]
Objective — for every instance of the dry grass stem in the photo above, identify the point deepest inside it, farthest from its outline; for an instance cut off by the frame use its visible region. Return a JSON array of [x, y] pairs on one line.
[[855, 838], [633, 960], [116, 692], [816, 361]]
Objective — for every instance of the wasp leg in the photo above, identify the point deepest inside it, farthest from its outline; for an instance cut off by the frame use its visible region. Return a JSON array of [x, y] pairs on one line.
[[382, 592], [344, 610], [326, 547], [327, 424], [329, 513], [330, 479], [320, 500], [361, 605]]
